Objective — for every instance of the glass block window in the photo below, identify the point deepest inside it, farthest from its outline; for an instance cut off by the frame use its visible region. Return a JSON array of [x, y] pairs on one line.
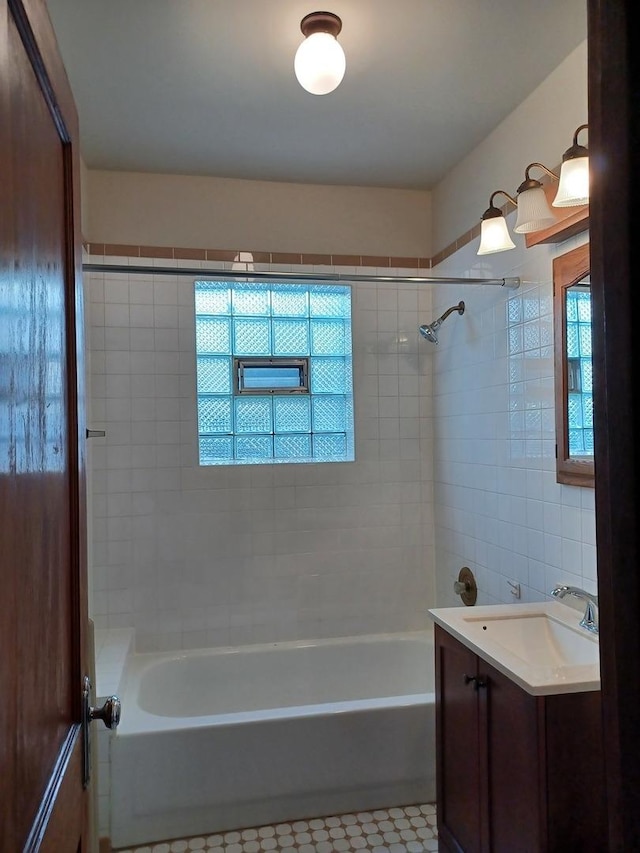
[[274, 372], [579, 372]]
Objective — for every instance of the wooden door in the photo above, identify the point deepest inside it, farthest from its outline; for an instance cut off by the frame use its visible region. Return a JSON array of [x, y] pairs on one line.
[[614, 226], [458, 759], [43, 608], [511, 721]]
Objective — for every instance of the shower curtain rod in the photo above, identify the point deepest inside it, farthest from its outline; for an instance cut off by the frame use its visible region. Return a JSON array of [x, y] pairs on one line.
[[236, 275]]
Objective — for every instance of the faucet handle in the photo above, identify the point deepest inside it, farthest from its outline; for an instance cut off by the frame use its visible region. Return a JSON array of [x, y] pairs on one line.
[[590, 618]]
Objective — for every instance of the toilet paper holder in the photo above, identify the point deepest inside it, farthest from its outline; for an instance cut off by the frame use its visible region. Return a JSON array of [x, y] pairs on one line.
[[466, 587]]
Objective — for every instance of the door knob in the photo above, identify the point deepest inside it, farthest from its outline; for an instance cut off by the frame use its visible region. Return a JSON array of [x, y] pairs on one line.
[[109, 713]]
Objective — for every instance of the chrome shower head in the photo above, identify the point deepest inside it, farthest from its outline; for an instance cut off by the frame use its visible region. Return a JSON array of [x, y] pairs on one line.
[[429, 331]]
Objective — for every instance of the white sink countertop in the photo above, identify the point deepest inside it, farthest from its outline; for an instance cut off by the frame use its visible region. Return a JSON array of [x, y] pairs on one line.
[[539, 646]]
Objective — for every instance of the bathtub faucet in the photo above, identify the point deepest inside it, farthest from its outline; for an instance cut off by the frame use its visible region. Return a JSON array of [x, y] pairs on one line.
[[590, 618]]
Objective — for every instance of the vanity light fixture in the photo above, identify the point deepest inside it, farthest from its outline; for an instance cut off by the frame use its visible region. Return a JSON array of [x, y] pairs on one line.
[[534, 212], [320, 62], [494, 234], [573, 188]]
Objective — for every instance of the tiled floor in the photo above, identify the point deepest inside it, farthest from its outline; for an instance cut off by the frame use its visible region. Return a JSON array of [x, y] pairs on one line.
[[411, 829]]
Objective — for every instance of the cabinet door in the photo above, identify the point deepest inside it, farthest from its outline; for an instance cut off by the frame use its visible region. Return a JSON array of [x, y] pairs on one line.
[[513, 723], [458, 755]]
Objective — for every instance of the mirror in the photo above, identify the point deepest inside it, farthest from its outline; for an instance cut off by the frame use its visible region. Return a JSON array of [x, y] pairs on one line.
[[573, 368]]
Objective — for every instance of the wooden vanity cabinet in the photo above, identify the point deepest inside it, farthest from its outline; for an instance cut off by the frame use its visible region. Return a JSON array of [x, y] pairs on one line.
[[515, 772]]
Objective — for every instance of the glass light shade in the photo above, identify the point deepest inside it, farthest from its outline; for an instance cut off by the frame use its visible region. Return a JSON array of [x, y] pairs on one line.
[[320, 63], [534, 212], [573, 188], [494, 236]]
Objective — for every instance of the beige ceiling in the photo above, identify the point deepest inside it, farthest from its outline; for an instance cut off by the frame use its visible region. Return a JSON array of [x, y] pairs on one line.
[[207, 86]]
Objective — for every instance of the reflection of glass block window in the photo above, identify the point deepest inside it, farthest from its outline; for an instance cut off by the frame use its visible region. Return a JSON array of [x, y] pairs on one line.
[[579, 372], [274, 373]]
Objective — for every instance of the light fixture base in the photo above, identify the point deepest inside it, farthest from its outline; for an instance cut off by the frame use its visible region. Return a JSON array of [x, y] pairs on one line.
[[321, 22], [528, 184], [576, 150]]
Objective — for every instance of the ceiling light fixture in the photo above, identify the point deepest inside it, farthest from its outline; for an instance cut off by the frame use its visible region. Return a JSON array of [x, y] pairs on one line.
[[320, 61], [534, 212]]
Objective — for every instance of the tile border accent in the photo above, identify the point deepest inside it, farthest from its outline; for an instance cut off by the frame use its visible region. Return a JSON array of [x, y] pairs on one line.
[[259, 257]]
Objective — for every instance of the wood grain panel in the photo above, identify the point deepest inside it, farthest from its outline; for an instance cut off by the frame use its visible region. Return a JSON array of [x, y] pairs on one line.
[[614, 83], [573, 752], [42, 523], [514, 782], [568, 269], [8, 579], [458, 747], [569, 221]]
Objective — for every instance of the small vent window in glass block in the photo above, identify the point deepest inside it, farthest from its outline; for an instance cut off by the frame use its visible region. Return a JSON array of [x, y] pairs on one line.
[[271, 375], [274, 372]]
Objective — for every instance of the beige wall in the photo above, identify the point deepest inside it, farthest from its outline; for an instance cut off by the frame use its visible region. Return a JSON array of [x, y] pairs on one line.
[[539, 130], [222, 213], [205, 212]]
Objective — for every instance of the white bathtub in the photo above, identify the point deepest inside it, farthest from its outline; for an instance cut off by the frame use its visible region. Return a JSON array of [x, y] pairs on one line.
[[212, 740]]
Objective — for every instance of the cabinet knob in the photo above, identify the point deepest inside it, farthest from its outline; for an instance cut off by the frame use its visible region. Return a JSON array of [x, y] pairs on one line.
[[477, 681]]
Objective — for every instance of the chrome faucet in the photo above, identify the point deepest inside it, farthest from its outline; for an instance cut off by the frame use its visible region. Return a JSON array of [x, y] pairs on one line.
[[590, 618]]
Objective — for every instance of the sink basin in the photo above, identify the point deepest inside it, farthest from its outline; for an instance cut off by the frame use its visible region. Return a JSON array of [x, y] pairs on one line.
[[539, 646], [538, 639]]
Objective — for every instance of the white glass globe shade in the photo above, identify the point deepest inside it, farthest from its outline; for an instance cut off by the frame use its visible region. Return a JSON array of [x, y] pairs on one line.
[[494, 236], [574, 183], [320, 63], [534, 212]]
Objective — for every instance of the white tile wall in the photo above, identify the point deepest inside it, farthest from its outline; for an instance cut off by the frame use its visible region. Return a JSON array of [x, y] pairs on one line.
[[192, 556], [499, 509], [111, 650], [112, 647]]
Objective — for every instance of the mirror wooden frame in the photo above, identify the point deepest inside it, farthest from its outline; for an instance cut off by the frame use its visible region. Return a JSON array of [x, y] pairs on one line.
[[568, 269]]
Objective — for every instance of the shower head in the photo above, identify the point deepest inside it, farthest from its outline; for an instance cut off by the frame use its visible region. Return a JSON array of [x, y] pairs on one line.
[[430, 331]]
